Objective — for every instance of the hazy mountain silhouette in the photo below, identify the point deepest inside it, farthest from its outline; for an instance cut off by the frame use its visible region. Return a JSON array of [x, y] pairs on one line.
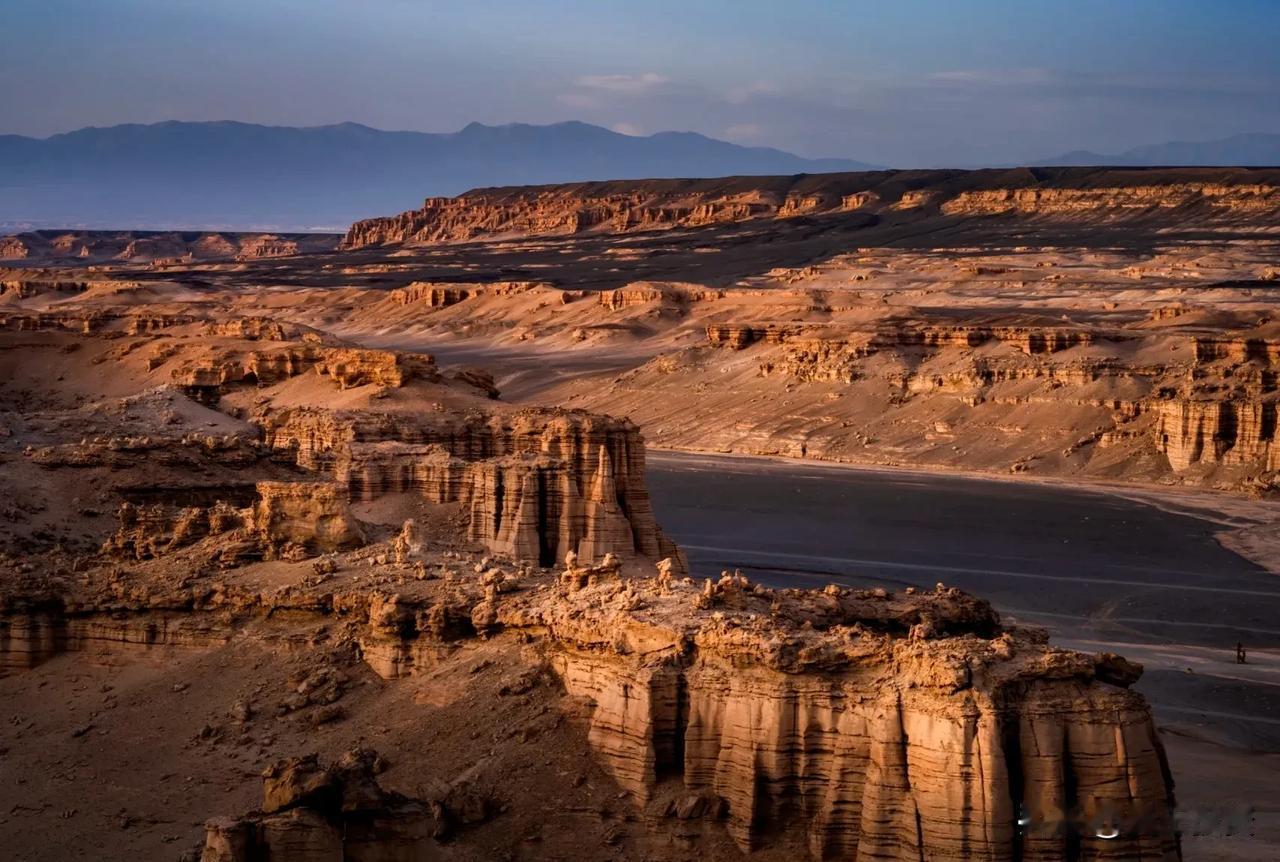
[[240, 175], [1255, 150]]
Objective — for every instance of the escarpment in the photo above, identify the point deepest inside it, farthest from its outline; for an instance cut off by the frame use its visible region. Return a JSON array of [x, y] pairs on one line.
[[884, 727], [163, 248], [288, 407], [811, 362], [839, 723], [1239, 199], [640, 205]]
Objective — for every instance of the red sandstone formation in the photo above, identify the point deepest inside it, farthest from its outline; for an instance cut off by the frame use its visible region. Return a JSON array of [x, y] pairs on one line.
[[621, 207], [167, 248]]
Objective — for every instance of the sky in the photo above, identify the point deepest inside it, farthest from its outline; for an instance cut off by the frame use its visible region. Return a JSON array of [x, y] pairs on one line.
[[908, 83]]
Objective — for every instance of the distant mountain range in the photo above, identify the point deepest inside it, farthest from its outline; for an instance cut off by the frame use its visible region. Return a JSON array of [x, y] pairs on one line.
[[1256, 151], [230, 175], [240, 176]]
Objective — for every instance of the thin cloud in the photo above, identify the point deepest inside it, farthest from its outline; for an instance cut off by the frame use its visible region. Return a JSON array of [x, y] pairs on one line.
[[623, 83]]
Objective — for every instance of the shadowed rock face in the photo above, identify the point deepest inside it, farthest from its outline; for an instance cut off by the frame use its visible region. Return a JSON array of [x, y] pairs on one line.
[[319, 813], [622, 207]]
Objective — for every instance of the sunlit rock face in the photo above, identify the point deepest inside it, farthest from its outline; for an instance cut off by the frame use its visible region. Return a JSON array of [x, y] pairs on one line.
[[625, 206], [883, 727], [536, 484]]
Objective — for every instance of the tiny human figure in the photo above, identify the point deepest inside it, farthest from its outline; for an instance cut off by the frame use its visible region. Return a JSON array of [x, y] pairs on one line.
[[1240, 654]]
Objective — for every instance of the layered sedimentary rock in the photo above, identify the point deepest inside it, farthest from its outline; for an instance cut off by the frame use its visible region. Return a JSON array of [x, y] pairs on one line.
[[34, 631], [618, 207], [868, 724], [1194, 432], [13, 248], [738, 336], [535, 484], [267, 245], [884, 727], [292, 518], [1029, 339], [347, 367], [27, 288], [169, 247], [444, 294], [257, 328], [1200, 401], [1242, 198], [648, 293]]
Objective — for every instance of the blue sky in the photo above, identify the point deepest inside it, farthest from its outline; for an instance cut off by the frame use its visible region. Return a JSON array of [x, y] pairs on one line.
[[903, 82]]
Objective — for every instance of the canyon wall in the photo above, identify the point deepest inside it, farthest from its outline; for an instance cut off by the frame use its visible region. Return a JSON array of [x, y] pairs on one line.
[[620, 207], [536, 484], [1202, 402], [167, 247], [864, 724], [881, 726]]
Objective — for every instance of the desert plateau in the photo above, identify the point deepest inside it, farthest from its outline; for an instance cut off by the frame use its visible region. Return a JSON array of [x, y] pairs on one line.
[[730, 431], [361, 530]]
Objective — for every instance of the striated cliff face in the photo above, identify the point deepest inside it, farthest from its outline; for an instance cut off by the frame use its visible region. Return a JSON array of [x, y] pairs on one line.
[[620, 207], [883, 727], [209, 373], [662, 293], [444, 294], [536, 484], [1192, 432], [163, 248], [862, 724], [1242, 199]]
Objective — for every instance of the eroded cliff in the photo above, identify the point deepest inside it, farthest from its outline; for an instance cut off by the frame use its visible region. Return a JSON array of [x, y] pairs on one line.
[[622, 207]]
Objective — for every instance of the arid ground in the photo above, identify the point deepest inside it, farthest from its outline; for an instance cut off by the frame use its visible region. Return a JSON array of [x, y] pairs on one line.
[[270, 496]]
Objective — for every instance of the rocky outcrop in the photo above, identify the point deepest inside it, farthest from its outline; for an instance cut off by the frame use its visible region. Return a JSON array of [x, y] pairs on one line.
[[354, 367], [264, 329], [218, 368], [740, 336], [312, 813], [536, 484], [13, 248], [168, 247], [882, 726], [266, 246], [313, 515], [869, 724], [1191, 432], [27, 288], [31, 633], [443, 294], [431, 295], [651, 293], [1243, 198], [1029, 339], [289, 519]]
